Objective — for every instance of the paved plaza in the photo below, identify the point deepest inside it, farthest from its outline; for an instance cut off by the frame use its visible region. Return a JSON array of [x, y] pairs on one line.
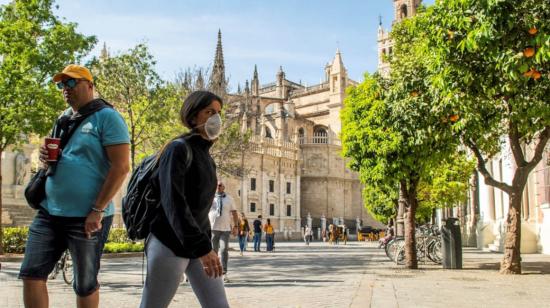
[[352, 275]]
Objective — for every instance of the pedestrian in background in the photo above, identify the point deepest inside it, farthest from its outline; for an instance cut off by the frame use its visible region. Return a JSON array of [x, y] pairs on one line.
[[257, 233], [308, 234], [224, 221], [269, 235], [244, 228]]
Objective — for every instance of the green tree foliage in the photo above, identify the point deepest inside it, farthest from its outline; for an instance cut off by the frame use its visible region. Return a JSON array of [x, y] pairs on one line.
[[391, 130], [491, 67], [34, 45], [381, 201], [445, 186], [149, 105]]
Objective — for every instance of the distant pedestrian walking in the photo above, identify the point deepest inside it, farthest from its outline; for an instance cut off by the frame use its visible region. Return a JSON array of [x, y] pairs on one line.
[[269, 235], [308, 235], [244, 228], [257, 233], [222, 214]]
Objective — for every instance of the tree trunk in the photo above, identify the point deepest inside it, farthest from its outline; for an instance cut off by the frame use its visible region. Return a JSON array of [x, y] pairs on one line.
[[511, 264], [1, 228], [399, 221], [411, 261], [133, 154], [474, 209]]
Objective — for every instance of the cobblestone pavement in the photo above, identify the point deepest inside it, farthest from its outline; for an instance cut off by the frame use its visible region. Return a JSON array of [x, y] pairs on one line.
[[354, 275]]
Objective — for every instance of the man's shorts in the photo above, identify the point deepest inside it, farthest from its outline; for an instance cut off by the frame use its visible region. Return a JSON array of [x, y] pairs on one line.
[[50, 236]]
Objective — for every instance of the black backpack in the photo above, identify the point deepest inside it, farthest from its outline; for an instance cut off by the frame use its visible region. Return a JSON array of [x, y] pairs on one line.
[[140, 205]]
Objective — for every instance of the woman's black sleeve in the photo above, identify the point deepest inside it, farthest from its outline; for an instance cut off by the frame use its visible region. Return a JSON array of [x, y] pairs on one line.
[[171, 174]]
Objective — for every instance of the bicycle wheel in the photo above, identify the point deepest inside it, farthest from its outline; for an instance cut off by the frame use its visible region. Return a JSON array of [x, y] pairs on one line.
[[435, 252], [68, 274], [398, 253], [391, 247], [400, 256]]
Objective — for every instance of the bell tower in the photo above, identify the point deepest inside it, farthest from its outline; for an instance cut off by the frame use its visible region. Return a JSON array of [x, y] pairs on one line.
[[405, 8]]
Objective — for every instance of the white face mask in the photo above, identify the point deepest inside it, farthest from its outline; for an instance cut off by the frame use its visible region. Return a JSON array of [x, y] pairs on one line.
[[213, 126]]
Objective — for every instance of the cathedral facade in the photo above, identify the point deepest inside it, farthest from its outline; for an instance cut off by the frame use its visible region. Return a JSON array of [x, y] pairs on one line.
[[294, 168]]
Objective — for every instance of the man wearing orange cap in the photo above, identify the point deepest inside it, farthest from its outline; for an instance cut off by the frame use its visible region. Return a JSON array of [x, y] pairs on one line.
[[76, 213]]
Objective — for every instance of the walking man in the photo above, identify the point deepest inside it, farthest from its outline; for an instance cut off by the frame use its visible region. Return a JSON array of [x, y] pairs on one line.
[[221, 214], [77, 210], [257, 224]]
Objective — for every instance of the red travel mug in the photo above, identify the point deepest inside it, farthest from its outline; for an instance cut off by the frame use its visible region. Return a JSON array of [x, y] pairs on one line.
[[52, 145]]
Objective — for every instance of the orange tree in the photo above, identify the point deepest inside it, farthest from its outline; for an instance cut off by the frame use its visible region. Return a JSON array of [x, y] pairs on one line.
[[391, 130], [490, 66]]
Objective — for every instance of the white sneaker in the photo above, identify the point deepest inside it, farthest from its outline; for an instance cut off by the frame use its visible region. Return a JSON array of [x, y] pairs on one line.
[[225, 278]]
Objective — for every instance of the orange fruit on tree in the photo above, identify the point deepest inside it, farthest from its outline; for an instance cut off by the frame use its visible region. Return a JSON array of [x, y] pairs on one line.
[[536, 75], [414, 94], [451, 34], [454, 118], [533, 31], [529, 73], [529, 52]]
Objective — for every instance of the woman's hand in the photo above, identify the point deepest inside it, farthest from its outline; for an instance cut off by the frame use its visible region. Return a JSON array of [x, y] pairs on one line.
[[211, 264]]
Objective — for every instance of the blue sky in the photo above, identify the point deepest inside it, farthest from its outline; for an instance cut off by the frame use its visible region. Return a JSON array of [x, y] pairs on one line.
[[302, 36]]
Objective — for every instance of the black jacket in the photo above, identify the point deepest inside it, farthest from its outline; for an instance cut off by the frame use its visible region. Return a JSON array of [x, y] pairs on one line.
[[186, 197]]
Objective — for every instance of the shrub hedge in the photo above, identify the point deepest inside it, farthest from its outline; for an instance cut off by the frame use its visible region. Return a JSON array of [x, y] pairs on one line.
[[15, 238]]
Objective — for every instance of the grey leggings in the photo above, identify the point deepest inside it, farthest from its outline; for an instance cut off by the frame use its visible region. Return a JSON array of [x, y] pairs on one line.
[[164, 273]]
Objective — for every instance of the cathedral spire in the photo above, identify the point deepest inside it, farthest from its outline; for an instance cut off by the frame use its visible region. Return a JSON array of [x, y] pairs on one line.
[[255, 82], [218, 83], [104, 53], [337, 63], [199, 83]]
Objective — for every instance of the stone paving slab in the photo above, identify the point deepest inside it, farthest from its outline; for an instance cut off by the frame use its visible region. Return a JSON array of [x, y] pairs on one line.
[[355, 275]]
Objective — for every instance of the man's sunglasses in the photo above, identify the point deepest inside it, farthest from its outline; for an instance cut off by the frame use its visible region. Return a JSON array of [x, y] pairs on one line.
[[69, 83]]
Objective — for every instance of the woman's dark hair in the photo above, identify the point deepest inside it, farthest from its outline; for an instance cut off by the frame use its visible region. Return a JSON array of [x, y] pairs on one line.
[[195, 102]]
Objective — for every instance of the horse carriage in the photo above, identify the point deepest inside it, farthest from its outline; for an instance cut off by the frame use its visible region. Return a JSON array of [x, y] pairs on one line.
[[370, 234], [338, 233]]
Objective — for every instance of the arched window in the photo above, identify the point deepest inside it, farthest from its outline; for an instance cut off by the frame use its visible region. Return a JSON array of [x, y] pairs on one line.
[[320, 135], [403, 12], [270, 109], [268, 133], [301, 135]]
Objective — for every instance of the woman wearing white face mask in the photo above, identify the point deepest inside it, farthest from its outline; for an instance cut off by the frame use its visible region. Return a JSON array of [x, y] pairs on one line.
[[179, 241]]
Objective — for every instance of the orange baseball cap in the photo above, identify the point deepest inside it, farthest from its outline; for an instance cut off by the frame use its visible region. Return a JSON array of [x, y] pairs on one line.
[[74, 71]]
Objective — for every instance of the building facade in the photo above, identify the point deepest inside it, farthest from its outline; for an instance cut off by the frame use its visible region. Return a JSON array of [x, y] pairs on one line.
[[294, 169]]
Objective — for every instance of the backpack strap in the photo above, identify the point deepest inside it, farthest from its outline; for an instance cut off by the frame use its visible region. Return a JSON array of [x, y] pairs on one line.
[[66, 125]]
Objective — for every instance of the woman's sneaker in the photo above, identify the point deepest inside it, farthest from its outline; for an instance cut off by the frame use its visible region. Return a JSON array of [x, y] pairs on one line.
[[225, 278]]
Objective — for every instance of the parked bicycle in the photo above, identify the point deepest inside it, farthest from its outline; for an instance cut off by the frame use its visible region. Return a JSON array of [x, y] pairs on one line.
[[428, 246], [64, 265]]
